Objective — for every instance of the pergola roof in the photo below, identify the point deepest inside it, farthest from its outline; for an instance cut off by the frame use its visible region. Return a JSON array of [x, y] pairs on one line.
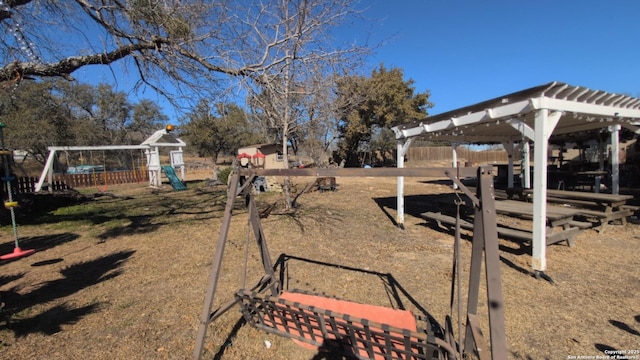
[[510, 117]]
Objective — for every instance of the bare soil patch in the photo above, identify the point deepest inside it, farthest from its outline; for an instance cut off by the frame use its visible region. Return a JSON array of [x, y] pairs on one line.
[[123, 276]]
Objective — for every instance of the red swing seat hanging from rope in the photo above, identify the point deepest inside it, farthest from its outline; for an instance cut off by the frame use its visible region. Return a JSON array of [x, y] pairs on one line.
[[17, 253]]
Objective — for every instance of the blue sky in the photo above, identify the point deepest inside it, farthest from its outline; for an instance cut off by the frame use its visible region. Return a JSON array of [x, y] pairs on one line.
[[466, 51]]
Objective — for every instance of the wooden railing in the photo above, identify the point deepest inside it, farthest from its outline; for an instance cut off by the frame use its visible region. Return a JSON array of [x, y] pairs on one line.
[[27, 184]]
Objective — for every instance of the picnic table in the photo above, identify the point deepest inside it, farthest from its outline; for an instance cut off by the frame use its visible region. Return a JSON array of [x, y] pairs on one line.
[[561, 224], [604, 207]]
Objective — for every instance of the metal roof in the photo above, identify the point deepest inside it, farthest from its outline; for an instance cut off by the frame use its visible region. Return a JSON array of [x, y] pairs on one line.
[[510, 117]]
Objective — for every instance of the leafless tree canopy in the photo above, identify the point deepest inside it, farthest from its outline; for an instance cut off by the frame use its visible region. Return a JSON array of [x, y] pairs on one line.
[[170, 45]]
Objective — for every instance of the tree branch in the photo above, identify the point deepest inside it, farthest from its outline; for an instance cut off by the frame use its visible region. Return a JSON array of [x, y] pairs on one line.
[[64, 68]]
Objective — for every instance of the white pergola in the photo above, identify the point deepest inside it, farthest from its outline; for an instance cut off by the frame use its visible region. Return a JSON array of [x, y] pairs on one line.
[[533, 115]]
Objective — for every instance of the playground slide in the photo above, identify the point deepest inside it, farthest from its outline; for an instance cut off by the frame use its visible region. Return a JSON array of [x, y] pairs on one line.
[[173, 178]]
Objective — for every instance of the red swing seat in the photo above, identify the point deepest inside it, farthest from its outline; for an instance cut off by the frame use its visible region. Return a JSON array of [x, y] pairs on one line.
[[357, 330]]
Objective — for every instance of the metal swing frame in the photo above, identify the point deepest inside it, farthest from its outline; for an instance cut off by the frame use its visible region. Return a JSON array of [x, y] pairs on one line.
[[484, 247]]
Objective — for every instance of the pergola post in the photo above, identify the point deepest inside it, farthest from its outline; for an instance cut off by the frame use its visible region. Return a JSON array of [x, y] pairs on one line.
[[602, 147], [526, 166], [402, 147], [615, 159], [511, 148], [544, 125], [454, 158]]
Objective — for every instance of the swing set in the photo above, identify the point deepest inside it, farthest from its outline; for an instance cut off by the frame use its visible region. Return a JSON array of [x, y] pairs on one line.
[[10, 203], [150, 150], [360, 330]]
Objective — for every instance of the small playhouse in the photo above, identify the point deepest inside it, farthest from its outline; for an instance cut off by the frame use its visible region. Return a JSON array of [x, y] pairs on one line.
[[267, 156], [264, 156]]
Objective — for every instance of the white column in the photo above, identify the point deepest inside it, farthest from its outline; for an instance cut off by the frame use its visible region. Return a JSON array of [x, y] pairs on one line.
[[602, 145], [526, 166], [400, 152], [544, 125], [454, 157], [511, 148], [615, 159]]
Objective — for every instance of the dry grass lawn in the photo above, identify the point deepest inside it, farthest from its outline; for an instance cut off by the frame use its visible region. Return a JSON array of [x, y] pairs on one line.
[[123, 276]]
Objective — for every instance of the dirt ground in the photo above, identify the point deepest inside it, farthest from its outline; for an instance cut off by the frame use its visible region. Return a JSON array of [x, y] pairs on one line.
[[123, 274]]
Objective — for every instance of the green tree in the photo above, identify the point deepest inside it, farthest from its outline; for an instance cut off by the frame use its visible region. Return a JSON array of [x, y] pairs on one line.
[[366, 104], [146, 119], [383, 143], [61, 113], [35, 119], [215, 129]]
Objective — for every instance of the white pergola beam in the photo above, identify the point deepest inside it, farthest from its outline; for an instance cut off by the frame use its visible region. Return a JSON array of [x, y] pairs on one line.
[[522, 128], [577, 128], [584, 108]]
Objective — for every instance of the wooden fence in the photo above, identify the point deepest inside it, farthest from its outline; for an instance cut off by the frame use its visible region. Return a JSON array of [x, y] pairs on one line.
[[432, 153], [27, 184]]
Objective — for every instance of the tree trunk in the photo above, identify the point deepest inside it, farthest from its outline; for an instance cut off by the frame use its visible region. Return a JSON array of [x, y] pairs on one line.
[[286, 186], [214, 160]]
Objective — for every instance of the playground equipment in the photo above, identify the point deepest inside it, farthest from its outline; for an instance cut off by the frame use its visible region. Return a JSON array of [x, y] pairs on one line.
[[164, 138], [151, 147], [176, 183], [10, 203], [359, 330]]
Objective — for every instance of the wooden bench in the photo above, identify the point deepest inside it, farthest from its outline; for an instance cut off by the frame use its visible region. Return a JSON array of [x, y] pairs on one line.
[[567, 234], [556, 215], [603, 208]]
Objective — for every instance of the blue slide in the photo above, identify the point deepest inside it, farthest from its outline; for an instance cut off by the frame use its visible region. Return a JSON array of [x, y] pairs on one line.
[[173, 178]]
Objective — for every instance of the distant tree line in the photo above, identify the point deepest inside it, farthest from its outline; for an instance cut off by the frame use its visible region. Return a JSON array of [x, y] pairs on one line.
[[61, 113], [355, 120]]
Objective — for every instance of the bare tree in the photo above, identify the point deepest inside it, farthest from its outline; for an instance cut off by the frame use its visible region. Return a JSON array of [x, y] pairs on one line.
[[292, 94], [174, 47]]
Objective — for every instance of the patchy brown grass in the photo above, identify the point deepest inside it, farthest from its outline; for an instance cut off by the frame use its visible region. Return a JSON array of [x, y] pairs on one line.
[[124, 276]]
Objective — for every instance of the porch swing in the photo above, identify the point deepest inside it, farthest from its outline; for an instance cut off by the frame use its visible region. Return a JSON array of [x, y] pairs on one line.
[[360, 330]]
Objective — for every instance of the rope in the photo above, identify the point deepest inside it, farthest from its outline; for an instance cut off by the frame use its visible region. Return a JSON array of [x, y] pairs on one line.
[[8, 178], [104, 172]]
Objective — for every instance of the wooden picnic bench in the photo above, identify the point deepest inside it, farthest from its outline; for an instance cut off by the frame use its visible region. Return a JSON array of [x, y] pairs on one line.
[[567, 234], [605, 208], [557, 216]]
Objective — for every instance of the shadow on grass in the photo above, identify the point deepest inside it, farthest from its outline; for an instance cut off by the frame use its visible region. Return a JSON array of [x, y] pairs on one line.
[[35, 208], [17, 313], [229, 340], [37, 243], [121, 215], [417, 205], [626, 327]]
